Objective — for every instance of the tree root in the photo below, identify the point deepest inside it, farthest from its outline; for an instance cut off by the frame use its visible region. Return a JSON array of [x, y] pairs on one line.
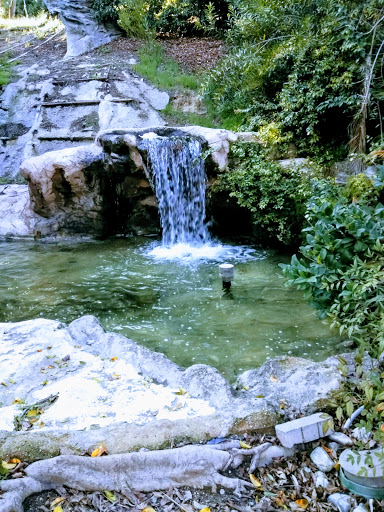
[[193, 466]]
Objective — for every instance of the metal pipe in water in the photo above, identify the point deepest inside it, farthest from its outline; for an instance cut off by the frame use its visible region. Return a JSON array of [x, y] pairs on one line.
[[227, 273]]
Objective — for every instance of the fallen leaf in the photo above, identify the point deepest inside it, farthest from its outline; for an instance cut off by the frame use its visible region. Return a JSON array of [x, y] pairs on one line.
[[40, 350], [205, 509], [99, 451], [181, 391], [4, 384], [57, 501], [337, 465], [382, 427], [113, 359], [116, 376], [14, 461], [97, 380], [17, 401], [41, 425], [45, 382], [110, 496], [51, 367], [255, 481], [273, 378], [58, 509], [244, 445], [11, 381], [302, 503], [7, 465], [259, 396], [246, 388], [328, 450], [32, 413], [148, 509]]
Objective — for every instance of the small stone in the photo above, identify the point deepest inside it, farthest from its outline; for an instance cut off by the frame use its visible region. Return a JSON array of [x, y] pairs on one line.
[[359, 508], [320, 480], [322, 460], [341, 501], [222, 491], [339, 437], [334, 446], [361, 434]]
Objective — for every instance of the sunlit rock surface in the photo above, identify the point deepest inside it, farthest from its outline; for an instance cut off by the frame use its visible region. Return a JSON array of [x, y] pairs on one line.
[[84, 32], [112, 390]]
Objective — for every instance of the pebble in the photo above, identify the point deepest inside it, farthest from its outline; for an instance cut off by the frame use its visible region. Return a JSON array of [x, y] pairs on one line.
[[339, 437], [222, 491], [322, 460], [359, 508], [334, 446], [341, 501], [320, 480]]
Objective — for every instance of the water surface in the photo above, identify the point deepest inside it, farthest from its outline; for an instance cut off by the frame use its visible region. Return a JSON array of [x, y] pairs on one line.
[[175, 306]]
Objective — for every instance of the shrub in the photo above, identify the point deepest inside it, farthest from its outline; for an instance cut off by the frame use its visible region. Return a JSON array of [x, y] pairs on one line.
[[342, 264], [275, 196]]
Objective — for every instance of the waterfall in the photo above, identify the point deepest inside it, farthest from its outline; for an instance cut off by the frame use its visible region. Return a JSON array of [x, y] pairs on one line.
[[178, 176]]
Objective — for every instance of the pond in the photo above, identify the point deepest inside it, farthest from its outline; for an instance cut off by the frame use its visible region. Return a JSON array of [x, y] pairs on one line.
[[170, 303]]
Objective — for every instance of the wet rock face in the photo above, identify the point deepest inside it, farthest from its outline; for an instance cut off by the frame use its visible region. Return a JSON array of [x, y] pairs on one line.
[[84, 32]]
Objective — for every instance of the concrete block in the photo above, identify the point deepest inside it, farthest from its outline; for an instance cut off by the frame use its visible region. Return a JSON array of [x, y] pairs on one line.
[[304, 430]]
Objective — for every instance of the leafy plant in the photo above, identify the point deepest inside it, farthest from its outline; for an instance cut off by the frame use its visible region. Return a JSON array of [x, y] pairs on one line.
[[275, 196], [306, 66]]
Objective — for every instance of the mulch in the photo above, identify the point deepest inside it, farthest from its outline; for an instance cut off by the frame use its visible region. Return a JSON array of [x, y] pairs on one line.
[[195, 54]]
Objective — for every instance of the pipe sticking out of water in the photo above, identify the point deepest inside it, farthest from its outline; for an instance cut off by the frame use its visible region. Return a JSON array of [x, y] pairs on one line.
[[227, 273]]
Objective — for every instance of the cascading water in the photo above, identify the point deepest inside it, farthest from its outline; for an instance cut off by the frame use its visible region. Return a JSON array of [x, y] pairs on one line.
[[178, 175]]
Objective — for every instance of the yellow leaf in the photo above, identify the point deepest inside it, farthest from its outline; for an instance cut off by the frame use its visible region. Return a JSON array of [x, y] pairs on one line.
[[244, 445], [255, 481], [115, 376], [303, 503], [7, 465], [259, 396], [337, 465], [58, 509], [328, 425], [17, 401], [14, 461], [180, 392], [380, 407], [113, 359], [205, 509], [45, 382], [57, 501], [148, 509], [273, 378], [32, 413], [39, 350], [110, 496], [99, 451], [4, 384], [41, 424], [382, 427], [246, 388]]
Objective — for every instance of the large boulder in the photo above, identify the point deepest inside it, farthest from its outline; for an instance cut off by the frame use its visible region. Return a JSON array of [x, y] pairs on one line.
[[106, 188], [84, 32]]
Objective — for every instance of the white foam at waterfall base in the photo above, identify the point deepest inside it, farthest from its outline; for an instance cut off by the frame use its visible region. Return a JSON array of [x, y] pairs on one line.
[[187, 253]]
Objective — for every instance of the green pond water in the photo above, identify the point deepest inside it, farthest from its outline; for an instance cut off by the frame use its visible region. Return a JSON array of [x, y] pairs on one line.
[[176, 307]]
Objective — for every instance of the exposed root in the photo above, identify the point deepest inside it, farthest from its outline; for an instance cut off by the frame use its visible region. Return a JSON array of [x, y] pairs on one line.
[[194, 466]]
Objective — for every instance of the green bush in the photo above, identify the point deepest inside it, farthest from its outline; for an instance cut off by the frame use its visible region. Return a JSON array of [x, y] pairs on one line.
[[275, 196], [5, 71], [106, 10], [303, 66], [341, 267], [134, 19], [33, 7]]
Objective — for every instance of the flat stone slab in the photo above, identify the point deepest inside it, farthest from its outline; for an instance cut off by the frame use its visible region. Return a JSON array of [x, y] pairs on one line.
[[304, 430]]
